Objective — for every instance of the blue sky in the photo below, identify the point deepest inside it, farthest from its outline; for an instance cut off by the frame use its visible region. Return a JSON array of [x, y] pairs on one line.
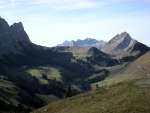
[[50, 22]]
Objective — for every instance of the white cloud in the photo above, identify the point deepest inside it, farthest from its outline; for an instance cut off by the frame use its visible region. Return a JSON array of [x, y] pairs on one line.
[[82, 4], [67, 4]]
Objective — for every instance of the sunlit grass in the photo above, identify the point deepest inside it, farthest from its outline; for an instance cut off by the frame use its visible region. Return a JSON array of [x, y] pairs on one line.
[[120, 98]]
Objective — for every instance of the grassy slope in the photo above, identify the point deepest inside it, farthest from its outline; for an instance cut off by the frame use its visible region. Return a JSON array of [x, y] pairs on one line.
[[8, 90], [125, 97], [50, 72], [137, 70], [140, 67], [78, 52]]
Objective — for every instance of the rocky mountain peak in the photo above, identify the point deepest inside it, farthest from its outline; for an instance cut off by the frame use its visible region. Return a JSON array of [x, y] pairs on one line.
[[18, 33], [119, 42], [86, 41], [17, 26], [123, 37], [90, 40], [12, 38], [123, 45], [125, 34]]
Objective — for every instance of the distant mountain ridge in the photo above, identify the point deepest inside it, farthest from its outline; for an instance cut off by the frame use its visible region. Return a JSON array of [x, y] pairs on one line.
[[88, 42], [120, 46]]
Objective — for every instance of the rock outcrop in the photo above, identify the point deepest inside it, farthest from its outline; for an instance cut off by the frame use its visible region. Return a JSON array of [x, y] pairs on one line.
[[122, 45], [12, 38]]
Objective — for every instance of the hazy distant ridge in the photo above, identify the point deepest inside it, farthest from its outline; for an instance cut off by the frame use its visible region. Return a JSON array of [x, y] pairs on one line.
[[88, 42]]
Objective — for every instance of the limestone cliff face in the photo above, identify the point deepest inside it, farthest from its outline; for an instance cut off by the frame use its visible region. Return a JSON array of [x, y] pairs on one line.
[[123, 45]]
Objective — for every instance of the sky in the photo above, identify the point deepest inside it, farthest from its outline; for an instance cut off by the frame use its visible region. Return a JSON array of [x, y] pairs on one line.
[[50, 22]]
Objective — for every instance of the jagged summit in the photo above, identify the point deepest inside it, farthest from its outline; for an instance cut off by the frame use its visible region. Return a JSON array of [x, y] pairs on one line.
[[121, 38], [19, 33], [123, 45], [88, 42], [5, 26], [18, 26], [12, 38], [121, 41]]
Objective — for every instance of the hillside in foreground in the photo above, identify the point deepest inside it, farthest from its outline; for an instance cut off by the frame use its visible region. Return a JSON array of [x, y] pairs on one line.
[[128, 97]]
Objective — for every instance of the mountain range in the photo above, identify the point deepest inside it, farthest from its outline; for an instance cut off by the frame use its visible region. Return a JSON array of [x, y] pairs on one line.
[[32, 76], [88, 42], [120, 46]]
